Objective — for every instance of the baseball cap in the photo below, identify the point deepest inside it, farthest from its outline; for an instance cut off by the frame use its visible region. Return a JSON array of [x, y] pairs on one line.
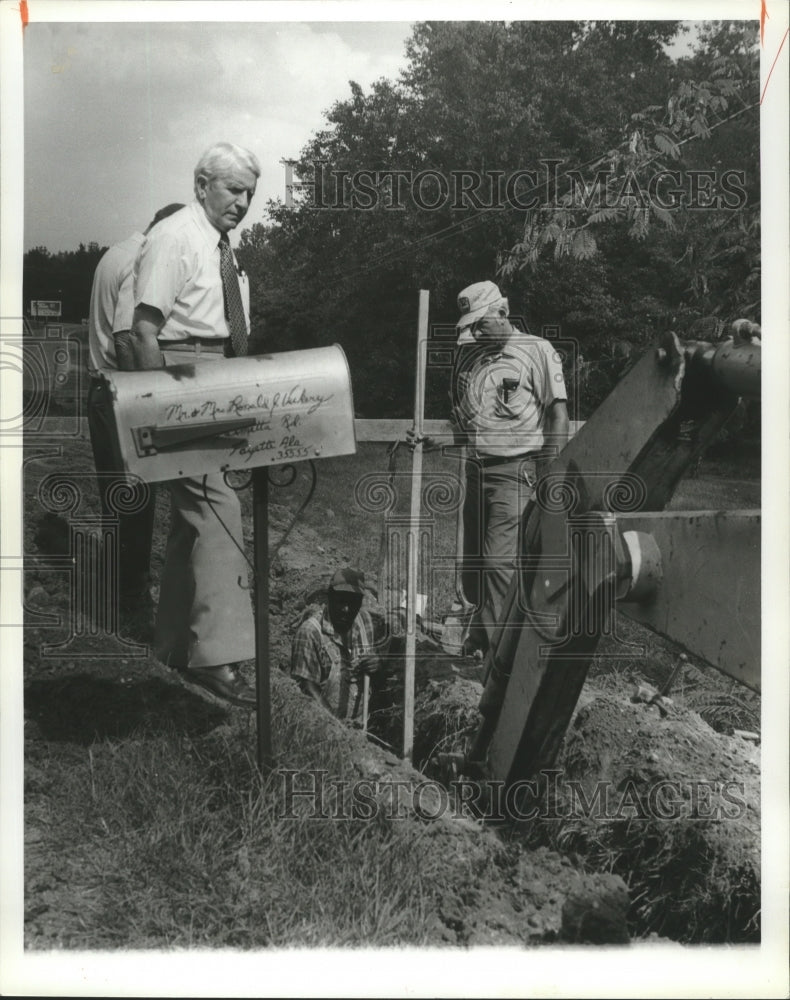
[[474, 302], [348, 579], [165, 213]]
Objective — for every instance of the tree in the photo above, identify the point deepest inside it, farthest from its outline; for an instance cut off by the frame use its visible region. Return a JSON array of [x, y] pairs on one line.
[[66, 276], [620, 189], [374, 222]]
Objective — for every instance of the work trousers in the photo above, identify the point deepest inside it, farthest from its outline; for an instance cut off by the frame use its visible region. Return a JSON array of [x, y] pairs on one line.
[[131, 507], [496, 496], [204, 617]]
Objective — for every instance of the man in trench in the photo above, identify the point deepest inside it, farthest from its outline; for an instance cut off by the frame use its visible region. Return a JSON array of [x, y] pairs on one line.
[[336, 646]]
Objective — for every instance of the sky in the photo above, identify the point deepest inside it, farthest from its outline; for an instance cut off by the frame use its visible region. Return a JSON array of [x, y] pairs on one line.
[[117, 115]]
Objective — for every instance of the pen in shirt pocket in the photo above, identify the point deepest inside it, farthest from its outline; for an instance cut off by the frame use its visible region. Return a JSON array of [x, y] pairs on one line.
[[508, 385]]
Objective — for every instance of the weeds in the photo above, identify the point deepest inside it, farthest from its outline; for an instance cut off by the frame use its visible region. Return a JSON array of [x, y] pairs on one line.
[[181, 843], [166, 835]]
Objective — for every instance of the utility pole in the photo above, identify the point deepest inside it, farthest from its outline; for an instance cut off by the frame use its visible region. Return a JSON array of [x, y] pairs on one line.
[[289, 182]]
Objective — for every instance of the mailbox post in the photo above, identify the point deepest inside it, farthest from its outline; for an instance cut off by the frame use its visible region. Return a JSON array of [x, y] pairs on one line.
[[243, 414], [260, 533]]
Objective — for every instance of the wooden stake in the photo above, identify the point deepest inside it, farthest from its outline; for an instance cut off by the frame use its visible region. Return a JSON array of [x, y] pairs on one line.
[[414, 530], [365, 701], [385, 595]]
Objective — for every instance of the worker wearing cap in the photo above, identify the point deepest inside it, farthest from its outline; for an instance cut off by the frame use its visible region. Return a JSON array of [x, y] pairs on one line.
[[335, 645], [510, 409]]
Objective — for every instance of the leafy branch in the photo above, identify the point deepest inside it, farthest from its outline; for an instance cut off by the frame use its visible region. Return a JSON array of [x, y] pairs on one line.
[[620, 187]]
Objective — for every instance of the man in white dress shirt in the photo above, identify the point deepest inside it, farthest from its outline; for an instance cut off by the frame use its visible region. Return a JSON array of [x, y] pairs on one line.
[[185, 309]]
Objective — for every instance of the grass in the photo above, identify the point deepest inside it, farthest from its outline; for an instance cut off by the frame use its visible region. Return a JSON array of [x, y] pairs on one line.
[[163, 834], [179, 842], [166, 839]]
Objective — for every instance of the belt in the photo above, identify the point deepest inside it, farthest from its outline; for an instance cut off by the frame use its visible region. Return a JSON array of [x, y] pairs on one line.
[[193, 343], [488, 460]]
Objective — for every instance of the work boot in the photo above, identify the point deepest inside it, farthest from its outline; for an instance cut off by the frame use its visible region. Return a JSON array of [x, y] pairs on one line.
[[224, 682], [471, 648]]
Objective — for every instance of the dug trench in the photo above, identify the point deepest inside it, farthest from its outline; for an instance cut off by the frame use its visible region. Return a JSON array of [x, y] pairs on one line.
[[649, 794], [662, 798], [147, 824], [658, 810]]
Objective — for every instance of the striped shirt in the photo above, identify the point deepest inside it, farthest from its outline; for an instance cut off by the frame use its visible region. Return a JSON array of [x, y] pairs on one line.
[[322, 655]]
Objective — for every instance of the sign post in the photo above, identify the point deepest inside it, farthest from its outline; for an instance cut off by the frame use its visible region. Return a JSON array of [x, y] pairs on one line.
[[45, 308]]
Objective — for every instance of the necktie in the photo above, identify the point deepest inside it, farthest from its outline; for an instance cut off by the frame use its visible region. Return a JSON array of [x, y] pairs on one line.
[[234, 311]]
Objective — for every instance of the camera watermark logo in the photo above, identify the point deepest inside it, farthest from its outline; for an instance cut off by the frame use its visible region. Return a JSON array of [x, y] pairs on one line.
[[49, 365]]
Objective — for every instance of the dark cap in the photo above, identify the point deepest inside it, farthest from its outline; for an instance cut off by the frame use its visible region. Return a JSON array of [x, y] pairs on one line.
[[165, 213], [348, 579]]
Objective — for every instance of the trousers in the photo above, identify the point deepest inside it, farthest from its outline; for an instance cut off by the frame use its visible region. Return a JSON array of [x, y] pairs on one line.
[[496, 496], [131, 507], [204, 617]]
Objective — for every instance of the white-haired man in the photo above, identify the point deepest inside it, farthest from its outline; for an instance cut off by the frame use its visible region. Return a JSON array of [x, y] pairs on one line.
[[510, 408], [188, 298]]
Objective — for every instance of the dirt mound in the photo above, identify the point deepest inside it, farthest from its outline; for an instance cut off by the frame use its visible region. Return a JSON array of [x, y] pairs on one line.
[[661, 799], [82, 708], [488, 891], [671, 805]]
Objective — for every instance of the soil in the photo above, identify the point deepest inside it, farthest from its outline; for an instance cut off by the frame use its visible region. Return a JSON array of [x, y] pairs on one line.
[[652, 794], [569, 878]]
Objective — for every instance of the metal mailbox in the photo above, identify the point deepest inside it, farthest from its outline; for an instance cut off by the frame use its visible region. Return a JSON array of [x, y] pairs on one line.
[[235, 413]]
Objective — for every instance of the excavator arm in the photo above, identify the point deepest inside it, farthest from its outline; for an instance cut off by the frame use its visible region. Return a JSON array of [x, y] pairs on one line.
[[596, 537]]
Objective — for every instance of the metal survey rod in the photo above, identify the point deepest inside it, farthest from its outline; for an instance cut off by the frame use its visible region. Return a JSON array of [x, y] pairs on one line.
[[414, 529]]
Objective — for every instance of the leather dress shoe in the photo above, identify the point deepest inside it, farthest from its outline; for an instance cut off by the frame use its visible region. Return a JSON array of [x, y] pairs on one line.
[[224, 682]]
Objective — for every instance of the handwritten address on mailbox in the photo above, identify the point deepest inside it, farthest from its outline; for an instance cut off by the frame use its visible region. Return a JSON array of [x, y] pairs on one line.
[[285, 423], [195, 419]]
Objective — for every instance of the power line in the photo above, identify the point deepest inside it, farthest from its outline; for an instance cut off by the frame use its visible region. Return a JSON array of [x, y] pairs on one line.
[[429, 238], [397, 254]]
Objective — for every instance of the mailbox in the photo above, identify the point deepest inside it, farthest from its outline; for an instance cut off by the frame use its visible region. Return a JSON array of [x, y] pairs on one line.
[[235, 413]]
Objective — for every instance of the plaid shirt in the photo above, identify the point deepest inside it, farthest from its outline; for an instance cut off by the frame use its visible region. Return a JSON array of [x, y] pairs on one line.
[[320, 654]]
